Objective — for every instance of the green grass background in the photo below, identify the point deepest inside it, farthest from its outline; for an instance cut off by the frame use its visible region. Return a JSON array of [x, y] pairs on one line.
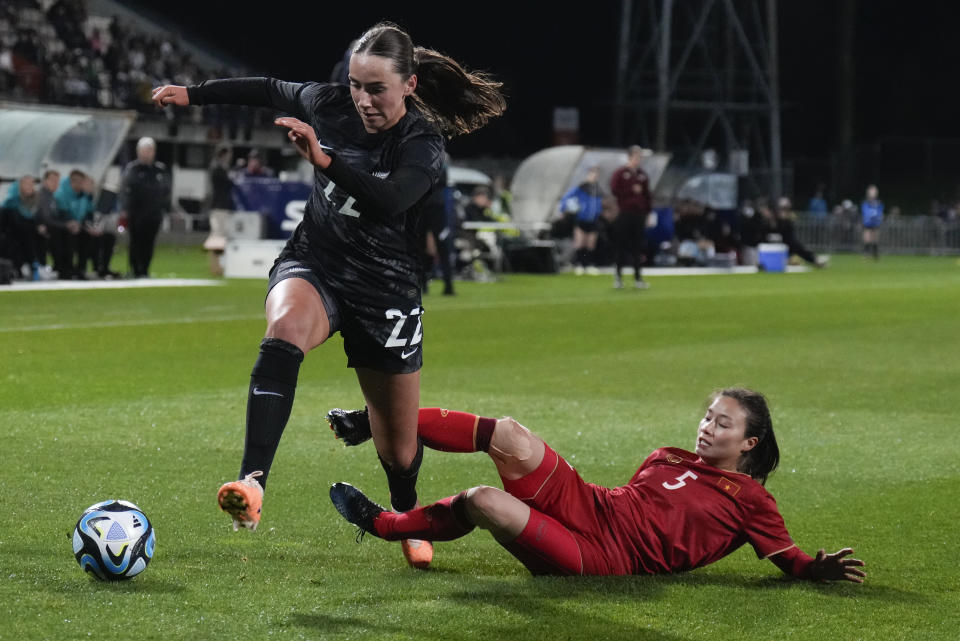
[[140, 394]]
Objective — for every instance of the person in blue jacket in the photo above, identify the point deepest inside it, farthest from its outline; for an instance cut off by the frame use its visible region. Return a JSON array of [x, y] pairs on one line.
[[586, 203], [23, 228], [871, 212]]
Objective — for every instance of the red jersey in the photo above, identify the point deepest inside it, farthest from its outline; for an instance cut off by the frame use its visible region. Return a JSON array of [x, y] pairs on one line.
[[677, 514], [632, 189]]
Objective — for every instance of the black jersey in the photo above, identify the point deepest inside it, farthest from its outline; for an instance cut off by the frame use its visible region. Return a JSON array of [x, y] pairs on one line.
[[361, 221]]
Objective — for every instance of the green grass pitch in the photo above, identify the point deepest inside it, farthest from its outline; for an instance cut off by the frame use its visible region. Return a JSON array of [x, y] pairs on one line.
[[140, 394]]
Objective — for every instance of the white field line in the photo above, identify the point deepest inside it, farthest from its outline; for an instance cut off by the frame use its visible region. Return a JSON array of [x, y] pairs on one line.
[[61, 285], [188, 320]]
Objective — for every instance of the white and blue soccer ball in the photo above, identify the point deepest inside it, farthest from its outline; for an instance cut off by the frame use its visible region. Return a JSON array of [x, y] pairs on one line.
[[113, 540]]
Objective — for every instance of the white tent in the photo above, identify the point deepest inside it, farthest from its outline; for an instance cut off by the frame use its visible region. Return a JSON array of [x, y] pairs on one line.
[[34, 138], [542, 179]]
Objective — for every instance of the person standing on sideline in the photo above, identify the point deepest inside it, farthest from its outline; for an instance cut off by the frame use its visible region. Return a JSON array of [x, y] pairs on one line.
[[585, 202], [144, 197], [221, 206], [631, 187], [353, 264], [438, 234], [871, 213]]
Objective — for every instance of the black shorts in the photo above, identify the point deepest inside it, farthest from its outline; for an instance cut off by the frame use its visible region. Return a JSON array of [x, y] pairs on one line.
[[587, 226], [378, 334]]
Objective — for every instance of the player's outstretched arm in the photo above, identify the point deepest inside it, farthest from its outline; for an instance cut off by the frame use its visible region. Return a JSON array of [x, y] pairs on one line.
[[171, 95], [836, 567], [824, 567]]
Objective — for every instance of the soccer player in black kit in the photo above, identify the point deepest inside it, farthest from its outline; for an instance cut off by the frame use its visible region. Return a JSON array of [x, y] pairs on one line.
[[353, 264]]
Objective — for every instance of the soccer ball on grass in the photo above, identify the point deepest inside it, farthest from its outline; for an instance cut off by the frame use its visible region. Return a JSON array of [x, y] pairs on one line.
[[113, 540]]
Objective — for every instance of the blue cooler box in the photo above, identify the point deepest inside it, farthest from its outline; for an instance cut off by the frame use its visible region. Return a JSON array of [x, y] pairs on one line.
[[772, 257]]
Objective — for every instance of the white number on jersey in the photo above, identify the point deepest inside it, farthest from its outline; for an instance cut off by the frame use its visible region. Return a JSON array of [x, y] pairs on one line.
[[347, 207], [680, 481]]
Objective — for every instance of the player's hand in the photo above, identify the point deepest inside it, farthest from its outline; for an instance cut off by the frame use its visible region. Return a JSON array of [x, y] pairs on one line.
[[171, 95], [73, 226], [305, 138], [834, 567]]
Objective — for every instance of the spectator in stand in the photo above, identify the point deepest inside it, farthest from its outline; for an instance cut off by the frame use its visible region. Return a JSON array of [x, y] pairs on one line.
[[631, 187], [871, 211], [144, 197], [478, 209], [721, 235], [818, 204], [256, 167], [502, 204], [18, 220], [585, 202], [788, 235], [752, 233], [74, 199], [47, 217], [689, 231]]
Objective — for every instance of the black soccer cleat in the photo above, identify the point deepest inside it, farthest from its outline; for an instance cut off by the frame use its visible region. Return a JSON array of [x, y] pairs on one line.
[[350, 426], [355, 507]]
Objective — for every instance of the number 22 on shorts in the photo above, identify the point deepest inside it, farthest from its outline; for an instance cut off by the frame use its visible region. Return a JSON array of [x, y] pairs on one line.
[[395, 340]]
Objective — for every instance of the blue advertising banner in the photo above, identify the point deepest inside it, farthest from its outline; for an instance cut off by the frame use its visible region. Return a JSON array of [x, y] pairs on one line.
[[281, 203]]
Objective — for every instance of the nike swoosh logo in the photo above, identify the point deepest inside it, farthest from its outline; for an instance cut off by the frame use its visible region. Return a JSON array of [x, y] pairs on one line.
[[260, 392], [410, 353]]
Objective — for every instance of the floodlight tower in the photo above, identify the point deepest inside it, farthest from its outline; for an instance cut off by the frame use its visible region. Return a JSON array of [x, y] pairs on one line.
[[695, 75]]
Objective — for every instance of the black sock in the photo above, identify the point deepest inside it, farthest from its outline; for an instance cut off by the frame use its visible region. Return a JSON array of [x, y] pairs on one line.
[[875, 248], [273, 382], [403, 482]]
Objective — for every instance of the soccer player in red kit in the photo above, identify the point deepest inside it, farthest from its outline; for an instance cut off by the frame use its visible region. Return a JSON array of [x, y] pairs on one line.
[[681, 510]]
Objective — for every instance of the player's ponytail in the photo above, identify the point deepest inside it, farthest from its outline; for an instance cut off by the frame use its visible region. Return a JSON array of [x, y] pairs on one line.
[[763, 459], [456, 100]]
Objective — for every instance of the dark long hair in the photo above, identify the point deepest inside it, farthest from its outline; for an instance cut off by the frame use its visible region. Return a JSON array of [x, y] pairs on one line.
[[456, 100], [762, 460]]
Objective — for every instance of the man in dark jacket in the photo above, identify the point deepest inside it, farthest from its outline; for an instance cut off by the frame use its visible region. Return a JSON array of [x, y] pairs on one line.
[[144, 197], [631, 187]]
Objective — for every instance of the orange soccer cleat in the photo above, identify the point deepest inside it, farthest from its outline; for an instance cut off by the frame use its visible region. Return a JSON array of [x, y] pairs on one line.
[[242, 500], [418, 553]]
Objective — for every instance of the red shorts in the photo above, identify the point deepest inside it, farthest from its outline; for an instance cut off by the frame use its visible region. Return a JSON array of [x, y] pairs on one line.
[[556, 490]]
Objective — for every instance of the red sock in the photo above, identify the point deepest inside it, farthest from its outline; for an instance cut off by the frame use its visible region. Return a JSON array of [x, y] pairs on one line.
[[451, 431], [444, 520], [546, 547]]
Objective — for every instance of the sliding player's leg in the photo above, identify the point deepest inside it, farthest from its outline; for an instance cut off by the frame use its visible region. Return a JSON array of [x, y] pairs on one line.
[[537, 540], [515, 450]]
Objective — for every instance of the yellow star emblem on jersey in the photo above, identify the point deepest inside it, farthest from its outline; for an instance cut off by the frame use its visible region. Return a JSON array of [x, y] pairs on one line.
[[728, 486]]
